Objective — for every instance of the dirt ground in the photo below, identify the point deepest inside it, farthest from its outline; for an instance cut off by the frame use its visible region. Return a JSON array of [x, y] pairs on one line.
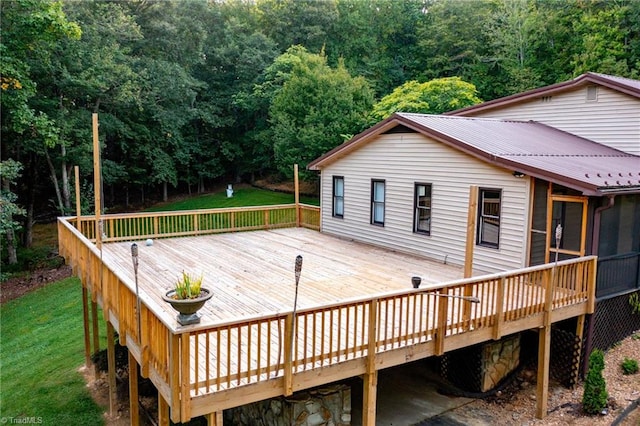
[[515, 406]]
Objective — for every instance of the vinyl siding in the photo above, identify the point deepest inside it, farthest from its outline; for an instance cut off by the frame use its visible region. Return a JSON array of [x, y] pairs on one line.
[[404, 159], [612, 120]]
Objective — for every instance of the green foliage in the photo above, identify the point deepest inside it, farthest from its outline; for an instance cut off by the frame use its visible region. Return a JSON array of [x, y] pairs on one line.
[[9, 173], [433, 97], [188, 287], [629, 366], [41, 347], [315, 106], [634, 301], [594, 397]]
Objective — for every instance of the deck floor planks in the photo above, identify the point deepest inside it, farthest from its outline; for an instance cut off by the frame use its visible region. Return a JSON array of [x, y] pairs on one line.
[[252, 273]]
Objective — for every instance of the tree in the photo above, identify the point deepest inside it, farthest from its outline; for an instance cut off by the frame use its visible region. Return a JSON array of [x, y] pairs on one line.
[[594, 398], [9, 172], [316, 106], [433, 97]]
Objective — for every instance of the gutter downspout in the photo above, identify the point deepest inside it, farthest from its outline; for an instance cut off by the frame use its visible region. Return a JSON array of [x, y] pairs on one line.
[[595, 243]]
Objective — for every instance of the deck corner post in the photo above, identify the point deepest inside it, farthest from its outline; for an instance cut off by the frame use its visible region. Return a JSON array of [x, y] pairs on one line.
[[215, 418], [95, 333], [441, 326], [185, 378]]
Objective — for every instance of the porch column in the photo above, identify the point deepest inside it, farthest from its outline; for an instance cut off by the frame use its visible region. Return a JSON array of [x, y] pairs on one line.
[[542, 391]]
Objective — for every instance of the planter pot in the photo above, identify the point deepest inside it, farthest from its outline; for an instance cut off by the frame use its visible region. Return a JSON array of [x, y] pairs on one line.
[[188, 308]]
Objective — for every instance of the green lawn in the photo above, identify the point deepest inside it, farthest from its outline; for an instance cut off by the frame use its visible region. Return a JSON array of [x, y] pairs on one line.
[[41, 349], [241, 197]]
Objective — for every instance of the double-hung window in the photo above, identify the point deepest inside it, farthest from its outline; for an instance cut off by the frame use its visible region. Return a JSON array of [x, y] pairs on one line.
[[489, 217], [422, 208], [377, 202], [338, 196]]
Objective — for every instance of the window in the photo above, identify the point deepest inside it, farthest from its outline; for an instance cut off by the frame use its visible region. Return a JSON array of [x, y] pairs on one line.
[[489, 218], [592, 93], [422, 210], [338, 196], [377, 202]]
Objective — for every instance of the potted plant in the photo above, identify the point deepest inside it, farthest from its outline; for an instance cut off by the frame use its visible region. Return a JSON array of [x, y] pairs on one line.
[[187, 298]]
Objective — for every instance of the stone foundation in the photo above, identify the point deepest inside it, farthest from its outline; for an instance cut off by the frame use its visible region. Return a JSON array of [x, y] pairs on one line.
[[326, 406], [481, 367], [498, 360]]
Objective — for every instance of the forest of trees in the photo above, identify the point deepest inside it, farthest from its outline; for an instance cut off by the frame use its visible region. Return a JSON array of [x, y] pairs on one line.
[[194, 93]]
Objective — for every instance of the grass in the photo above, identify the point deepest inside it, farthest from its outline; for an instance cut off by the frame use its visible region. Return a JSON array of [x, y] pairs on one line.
[[41, 349], [241, 197]]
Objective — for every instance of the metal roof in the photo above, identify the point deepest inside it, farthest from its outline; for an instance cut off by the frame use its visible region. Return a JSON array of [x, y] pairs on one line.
[[620, 84], [526, 146]]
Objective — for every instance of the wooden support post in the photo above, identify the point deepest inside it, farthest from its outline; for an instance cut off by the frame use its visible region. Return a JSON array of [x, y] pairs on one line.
[[471, 231], [214, 419], [133, 391], [111, 362], [296, 187], [76, 170], [85, 322], [97, 181], [371, 376], [163, 411], [468, 252], [95, 333], [542, 390], [369, 398]]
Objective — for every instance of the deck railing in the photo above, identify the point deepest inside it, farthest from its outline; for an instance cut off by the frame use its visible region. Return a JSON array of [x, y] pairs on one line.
[[280, 352], [127, 226]]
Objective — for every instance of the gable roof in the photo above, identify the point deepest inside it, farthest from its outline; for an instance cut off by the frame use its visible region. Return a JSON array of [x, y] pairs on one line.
[[620, 84], [529, 147]]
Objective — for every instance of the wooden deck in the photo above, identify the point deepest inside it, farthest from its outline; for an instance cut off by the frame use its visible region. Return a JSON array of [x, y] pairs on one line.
[[357, 312], [252, 273]]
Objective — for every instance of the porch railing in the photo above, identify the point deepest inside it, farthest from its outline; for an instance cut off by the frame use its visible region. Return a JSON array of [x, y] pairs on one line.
[[618, 274]]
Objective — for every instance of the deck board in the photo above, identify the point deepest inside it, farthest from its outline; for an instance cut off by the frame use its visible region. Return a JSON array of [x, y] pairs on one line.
[[252, 273]]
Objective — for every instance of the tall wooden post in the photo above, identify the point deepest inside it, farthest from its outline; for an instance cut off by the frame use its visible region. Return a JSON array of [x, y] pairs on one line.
[[97, 181], [471, 231], [95, 333], [163, 411], [296, 187], [76, 170], [468, 252]]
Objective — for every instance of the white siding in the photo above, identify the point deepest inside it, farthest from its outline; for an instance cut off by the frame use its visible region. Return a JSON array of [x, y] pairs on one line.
[[404, 159], [613, 119]]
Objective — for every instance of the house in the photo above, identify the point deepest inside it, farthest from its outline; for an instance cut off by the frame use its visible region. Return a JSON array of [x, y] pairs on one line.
[[566, 155]]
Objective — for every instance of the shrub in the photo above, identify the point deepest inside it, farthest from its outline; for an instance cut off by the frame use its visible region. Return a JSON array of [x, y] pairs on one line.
[[629, 366], [594, 398]]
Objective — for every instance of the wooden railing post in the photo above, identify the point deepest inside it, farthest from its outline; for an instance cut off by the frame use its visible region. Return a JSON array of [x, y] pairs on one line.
[[288, 355], [441, 327], [591, 287], [499, 309], [185, 377], [174, 377], [296, 188]]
